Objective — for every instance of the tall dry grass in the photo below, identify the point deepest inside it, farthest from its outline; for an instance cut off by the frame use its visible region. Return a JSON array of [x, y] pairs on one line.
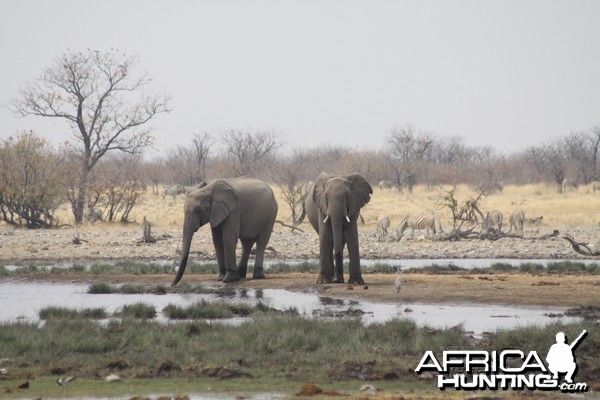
[[576, 207]]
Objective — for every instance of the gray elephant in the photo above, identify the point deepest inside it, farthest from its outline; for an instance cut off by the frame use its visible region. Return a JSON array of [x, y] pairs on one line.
[[238, 208], [333, 207]]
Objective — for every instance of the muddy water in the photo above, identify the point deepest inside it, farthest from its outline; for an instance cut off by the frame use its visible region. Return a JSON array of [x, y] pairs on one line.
[[20, 299]]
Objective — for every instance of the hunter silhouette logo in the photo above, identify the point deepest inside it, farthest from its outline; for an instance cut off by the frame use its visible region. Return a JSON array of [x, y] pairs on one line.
[[506, 369], [560, 356]]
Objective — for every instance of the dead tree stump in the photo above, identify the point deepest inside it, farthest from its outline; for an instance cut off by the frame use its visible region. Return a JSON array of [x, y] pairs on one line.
[[147, 234]]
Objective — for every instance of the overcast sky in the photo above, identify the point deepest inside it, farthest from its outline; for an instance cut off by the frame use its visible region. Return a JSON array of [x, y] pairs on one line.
[[507, 74]]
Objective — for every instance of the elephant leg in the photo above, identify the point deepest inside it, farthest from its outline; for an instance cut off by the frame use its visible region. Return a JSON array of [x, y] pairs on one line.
[[325, 255], [242, 266], [354, 255], [219, 250], [261, 245], [229, 242]]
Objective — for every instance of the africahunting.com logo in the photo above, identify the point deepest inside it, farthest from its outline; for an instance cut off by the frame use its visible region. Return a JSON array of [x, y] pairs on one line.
[[508, 369]]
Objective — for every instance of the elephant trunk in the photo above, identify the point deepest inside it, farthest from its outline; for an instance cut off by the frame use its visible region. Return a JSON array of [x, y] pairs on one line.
[[337, 226], [188, 233]]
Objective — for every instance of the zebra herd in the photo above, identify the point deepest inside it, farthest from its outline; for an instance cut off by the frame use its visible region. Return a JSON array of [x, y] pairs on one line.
[[492, 220], [422, 222]]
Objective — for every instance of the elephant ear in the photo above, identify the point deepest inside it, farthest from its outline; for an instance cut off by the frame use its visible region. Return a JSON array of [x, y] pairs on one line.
[[361, 192], [318, 193], [224, 202], [198, 186]]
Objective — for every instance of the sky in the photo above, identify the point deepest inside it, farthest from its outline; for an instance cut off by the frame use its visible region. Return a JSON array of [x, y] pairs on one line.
[[506, 74]]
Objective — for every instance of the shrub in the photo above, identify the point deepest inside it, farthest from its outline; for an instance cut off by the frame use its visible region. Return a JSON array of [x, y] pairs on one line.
[[137, 310]]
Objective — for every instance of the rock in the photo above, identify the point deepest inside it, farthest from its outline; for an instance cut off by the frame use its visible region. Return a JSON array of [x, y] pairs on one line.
[[112, 378]]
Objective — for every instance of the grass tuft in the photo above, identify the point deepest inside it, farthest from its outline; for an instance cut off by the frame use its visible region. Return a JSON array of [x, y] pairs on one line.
[[59, 313], [137, 310], [100, 288]]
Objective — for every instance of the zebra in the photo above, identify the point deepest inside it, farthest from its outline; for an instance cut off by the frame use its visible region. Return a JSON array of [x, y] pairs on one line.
[[386, 185], [516, 221], [383, 223], [173, 191], [492, 219], [421, 222]]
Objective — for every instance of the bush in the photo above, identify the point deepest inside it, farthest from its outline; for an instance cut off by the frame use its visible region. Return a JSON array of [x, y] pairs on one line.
[[30, 181], [100, 288]]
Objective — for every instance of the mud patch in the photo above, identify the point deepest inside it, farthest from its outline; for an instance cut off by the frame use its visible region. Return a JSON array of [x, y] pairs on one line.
[[364, 371], [167, 368], [588, 313]]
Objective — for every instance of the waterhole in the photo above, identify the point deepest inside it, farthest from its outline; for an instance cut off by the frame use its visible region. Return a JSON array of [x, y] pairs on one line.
[[22, 299]]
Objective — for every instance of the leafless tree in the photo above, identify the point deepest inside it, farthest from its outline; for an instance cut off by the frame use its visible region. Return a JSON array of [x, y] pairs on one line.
[[406, 150], [103, 102], [112, 190], [288, 174], [582, 149], [249, 152], [202, 144]]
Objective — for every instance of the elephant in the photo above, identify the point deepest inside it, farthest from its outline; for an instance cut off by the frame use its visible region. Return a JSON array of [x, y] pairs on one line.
[[237, 208], [333, 207]]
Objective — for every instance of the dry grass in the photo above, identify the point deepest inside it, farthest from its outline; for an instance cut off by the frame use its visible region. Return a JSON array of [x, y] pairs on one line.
[[580, 207]]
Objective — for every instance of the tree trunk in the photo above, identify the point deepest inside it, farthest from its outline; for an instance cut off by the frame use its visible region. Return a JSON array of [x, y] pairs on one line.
[[78, 205]]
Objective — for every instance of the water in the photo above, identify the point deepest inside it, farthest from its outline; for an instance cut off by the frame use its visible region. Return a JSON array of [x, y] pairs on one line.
[[21, 299], [467, 263]]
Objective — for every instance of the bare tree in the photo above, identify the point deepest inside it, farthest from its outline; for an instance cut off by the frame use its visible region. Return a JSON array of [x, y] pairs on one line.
[[288, 173], [103, 102], [467, 212], [250, 152], [595, 144], [556, 160], [582, 149], [113, 189], [201, 144], [406, 150]]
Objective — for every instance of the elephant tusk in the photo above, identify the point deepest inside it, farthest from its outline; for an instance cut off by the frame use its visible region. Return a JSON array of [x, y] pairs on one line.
[[347, 218], [326, 218]]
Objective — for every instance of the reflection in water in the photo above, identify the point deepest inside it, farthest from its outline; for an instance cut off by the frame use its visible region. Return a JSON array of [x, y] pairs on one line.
[[330, 301], [22, 299]]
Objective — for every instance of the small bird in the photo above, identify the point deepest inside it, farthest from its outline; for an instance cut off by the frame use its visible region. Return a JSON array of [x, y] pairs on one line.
[[398, 283], [66, 380]]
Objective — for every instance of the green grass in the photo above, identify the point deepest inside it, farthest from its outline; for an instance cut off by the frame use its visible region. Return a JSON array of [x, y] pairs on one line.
[[135, 267], [214, 310], [137, 310], [267, 352], [54, 312]]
